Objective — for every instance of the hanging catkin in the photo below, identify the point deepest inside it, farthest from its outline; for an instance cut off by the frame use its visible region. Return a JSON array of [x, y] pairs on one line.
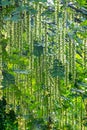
[[1, 60]]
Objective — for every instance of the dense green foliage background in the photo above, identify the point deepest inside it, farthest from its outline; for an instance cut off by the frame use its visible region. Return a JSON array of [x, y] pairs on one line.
[[43, 65]]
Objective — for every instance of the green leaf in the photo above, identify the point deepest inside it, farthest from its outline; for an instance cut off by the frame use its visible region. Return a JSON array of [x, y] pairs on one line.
[[15, 18], [26, 8], [5, 2], [58, 69], [8, 79], [84, 23], [21, 71], [48, 12], [38, 49], [78, 91], [81, 2]]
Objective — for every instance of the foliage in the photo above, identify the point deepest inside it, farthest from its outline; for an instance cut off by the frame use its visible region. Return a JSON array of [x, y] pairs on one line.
[[7, 119], [38, 49], [58, 69], [8, 79], [82, 3], [46, 77]]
